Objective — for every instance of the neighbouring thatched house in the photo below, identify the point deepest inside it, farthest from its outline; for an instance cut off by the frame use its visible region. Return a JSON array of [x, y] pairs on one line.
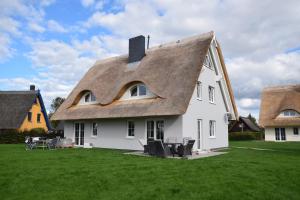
[[280, 113], [175, 90], [22, 110], [244, 124]]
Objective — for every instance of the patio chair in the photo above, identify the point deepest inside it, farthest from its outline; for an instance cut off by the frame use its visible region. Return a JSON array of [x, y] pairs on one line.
[[161, 150], [29, 144], [186, 149], [52, 143], [151, 148]]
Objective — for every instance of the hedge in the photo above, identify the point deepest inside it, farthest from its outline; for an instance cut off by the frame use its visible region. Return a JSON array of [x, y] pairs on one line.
[[246, 135], [15, 137]]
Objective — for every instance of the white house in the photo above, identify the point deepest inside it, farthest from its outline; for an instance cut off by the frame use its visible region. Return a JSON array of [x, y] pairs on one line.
[[280, 113], [176, 90]]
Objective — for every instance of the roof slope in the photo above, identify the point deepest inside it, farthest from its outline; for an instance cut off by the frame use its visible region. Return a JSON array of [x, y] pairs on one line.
[[277, 99], [14, 106], [251, 125], [170, 71]]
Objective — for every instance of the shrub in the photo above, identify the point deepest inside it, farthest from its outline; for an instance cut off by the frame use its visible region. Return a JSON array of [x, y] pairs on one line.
[[15, 137], [246, 136]]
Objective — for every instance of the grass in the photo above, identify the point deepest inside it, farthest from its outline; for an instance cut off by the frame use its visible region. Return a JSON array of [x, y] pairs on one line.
[[109, 174]]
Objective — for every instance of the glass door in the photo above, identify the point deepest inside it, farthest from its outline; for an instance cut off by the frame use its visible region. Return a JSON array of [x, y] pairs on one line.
[[155, 129], [79, 134], [160, 126], [280, 134]]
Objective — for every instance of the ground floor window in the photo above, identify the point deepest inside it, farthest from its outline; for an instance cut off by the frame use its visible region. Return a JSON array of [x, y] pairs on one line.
[[94, 129], [280, 134], [130, 128], [296, 131], [212, 128]]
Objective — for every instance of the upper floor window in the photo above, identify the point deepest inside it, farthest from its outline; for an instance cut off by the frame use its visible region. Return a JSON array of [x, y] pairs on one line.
[[138, 90], [38, 118], [199, 90], [207, 62], [289, 113], [211, 94], [29, 116], [89, 97]]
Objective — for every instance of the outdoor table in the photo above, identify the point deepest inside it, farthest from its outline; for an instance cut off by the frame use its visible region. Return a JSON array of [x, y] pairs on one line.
[[173, 144], [41, 144]]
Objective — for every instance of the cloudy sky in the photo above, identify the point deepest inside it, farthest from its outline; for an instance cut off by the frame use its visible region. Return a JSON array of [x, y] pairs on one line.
[[52, 43]]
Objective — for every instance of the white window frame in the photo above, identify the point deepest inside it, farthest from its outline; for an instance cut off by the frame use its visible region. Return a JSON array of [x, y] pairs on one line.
[[138, 90], [127, 135], [155, 129], [212, 132], [93, 135], [91, 99], [211, 89], [199, 90]]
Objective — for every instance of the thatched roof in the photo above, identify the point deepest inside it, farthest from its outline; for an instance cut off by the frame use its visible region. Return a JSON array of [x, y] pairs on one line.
[[14, 106], [274, 100], [170, 71]]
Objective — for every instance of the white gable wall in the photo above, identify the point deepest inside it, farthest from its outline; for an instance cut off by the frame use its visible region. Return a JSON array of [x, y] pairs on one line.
[[206, 111]]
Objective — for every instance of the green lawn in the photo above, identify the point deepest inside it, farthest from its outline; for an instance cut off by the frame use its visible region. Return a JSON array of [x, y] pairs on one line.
[[109, 174]]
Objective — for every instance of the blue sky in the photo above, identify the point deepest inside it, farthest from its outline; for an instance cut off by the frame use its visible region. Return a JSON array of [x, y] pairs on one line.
[[52, 43]]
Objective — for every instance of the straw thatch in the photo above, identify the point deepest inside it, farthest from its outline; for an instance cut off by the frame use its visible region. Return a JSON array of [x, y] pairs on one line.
[[170, 71], [274, 100]]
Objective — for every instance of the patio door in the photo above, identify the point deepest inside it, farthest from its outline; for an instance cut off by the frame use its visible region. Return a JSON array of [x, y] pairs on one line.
[[280, 134], [155, 129], [79, 134], [199, 134]]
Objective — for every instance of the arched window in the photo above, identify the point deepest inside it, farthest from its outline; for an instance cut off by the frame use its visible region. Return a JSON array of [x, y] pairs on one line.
[[138, 90], [88, 97], [289, 113]]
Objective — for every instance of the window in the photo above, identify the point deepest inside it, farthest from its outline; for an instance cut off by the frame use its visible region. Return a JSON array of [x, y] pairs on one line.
[[211, 94], [280, 134], [150, 129], [94, 129], [212, 128], [199, 90], [130, 127], [38, 118], [142, 90], [89, 97], [296, 131], [138, 90], [289, 113], [29, 116], [207, 62], [133, 91]]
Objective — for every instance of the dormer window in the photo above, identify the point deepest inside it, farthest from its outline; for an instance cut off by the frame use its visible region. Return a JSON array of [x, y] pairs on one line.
[[88, 98], [289, 113], [137, 91]]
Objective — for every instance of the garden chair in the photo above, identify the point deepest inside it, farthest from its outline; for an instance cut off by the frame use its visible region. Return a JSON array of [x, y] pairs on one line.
[[53, 143], [29, 144], [186, 149], [161, 150]]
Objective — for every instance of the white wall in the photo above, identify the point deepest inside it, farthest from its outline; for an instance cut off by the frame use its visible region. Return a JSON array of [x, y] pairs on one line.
[[203, 109], [289, 132], [112, 133]]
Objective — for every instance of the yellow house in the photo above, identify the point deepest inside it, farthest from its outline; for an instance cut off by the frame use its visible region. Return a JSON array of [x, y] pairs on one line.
[[23, 110]]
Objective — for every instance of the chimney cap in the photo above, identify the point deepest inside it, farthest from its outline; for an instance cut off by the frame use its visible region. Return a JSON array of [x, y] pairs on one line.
[[32, 87]]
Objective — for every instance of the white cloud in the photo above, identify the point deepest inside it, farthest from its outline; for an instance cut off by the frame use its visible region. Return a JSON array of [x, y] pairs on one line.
[[5, 50], [55, 27], [36, 27], [87, 3]]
